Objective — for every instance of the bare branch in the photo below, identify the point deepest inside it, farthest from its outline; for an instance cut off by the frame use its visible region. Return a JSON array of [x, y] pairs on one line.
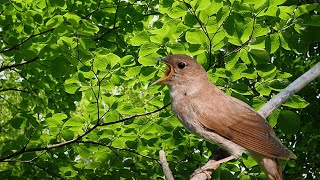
[[165, 166], [290, 90]]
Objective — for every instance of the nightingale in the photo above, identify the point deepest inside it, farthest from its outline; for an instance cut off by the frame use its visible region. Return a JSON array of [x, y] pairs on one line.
[[209, 113]]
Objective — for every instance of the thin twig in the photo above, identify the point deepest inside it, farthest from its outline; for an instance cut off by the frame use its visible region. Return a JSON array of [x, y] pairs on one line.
[[25, 40], [14, 89], [17, 65], [117, 148], [134, 116]]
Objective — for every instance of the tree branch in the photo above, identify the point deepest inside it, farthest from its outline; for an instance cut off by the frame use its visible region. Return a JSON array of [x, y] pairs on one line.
[[25, 40], [290, 90], [117, 148], [14, 89], [165, 166], [17, 65], [134, 116]]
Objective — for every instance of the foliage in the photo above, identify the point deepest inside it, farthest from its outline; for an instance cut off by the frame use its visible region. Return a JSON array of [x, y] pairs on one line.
[[75, 75]]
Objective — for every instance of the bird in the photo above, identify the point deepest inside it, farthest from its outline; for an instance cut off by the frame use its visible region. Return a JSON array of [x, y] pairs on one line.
[[211, 114]]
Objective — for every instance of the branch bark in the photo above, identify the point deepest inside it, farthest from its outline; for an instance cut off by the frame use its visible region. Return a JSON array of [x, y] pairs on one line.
[[165, 166], [290, 90]]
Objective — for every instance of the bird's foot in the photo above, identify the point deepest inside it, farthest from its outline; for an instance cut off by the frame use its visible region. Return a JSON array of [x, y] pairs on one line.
[[206, 169]]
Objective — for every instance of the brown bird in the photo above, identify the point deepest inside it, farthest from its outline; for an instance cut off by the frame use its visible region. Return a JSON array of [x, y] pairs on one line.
[[211, 114]]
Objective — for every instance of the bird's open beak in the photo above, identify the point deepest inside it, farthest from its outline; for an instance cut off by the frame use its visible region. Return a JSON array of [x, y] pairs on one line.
[[166, 75]]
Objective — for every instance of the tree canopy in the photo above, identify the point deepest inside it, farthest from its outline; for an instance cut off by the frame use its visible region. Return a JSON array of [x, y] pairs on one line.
[[75, 100]]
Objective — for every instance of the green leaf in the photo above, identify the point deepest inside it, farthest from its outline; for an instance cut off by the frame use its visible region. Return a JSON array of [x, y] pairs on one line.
[[113, 59], [133, 71], [259, 56], [258, 43], [244, 55], [214, 7], [141, 38], [260, 30], [218, 37], [284, 42], [147, 49], [288, 122], [77, 121], [236, 71], [55, 21], [200, 4], [296, 102], [67, 41], [147, 73], [71, 88], [249, 73], [127, 60], [241, 88], [273, 118], [72, 18], [17, 122], [249, 162], [88, 28], [263, 88], [312, 21], [203, 16], [84, 151], [111, 116], [87, 43], [176, 48], [272, 43], [67, 134], [231, 60], [195, 36], [56, 119], [178, 9], [102, 61], [149, 60], [305, 8], [266, 69], [33, 121], [115, 80], [278, 84]]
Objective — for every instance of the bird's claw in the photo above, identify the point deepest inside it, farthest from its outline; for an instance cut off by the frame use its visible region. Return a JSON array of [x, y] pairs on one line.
[[206, 169], [201, 170]]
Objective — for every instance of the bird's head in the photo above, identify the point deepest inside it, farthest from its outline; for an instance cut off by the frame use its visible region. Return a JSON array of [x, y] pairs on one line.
[[181, 69]]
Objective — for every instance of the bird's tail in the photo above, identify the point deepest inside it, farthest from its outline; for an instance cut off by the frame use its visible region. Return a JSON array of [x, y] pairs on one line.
[[271, 166]]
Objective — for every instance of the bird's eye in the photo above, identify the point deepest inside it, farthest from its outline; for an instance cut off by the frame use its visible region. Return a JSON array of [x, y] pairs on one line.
[[181, 65]]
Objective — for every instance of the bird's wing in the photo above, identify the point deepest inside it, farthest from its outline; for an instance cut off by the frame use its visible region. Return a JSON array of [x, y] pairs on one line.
[[238, 122]]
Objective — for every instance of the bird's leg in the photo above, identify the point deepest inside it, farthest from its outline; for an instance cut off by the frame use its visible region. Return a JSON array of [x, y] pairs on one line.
[[211, 165]]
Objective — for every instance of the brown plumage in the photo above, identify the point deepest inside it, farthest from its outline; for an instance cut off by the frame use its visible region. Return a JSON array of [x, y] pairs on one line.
[[215, 116]]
